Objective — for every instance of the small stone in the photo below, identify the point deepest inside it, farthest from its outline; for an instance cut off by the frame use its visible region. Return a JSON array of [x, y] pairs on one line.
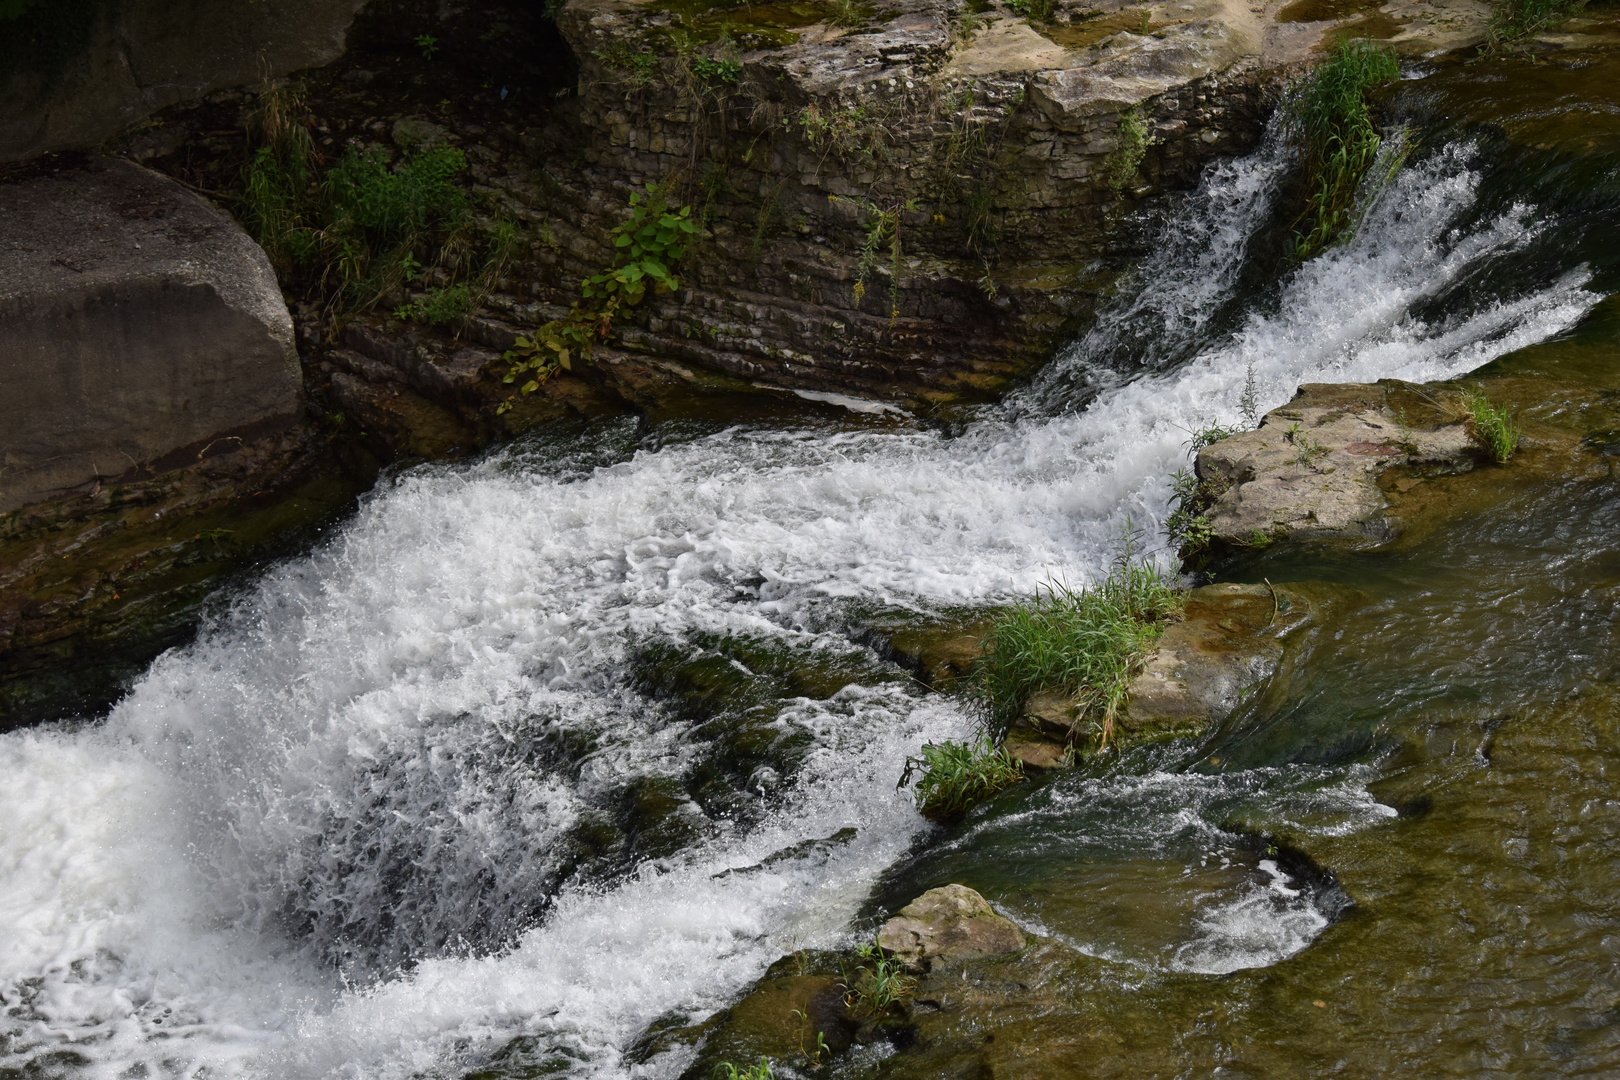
[[949, 924]]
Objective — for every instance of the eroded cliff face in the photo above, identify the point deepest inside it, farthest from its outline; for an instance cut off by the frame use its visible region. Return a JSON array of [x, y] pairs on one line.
[[914, 208]]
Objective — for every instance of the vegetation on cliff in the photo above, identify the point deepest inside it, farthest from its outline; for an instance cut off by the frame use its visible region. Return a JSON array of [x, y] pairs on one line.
[[1331, 127]]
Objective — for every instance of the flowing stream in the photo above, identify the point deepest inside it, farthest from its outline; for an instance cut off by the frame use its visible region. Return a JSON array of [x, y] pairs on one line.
[[583, 736]]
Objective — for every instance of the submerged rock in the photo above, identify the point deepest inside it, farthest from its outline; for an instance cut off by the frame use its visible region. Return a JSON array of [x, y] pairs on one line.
[[948, 925], [1310, 471]]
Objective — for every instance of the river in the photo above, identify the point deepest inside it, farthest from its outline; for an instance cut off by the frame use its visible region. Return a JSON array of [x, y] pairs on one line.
[[583, 735]]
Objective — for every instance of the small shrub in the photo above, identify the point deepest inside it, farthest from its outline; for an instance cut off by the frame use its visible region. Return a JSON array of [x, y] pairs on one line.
[[1133, 140], [722, 70], [1495, 429], [954, 777], [1089, 643], [1332, 130], [647, 245], [1188, 525]]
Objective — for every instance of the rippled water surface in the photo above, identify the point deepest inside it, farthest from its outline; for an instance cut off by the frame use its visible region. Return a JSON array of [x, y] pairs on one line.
[[585, 736]]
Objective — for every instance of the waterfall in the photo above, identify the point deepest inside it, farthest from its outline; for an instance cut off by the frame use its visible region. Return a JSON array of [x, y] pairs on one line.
[[328, 838]]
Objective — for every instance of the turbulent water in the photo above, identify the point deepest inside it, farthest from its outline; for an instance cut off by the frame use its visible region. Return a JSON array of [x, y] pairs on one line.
[[340, 835]]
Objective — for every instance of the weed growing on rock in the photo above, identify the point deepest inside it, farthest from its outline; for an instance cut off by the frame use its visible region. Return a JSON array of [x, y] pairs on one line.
[[439, 307], [877, 984], [1188, 526], [1132, 142], [760, 1071], [882, 230], [1514, 20], [1331, 127], [954, 777], [1493, 426], [646, 244], [1088, 642]]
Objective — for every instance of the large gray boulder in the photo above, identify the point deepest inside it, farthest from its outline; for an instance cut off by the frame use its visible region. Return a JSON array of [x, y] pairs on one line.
[[140, 331]]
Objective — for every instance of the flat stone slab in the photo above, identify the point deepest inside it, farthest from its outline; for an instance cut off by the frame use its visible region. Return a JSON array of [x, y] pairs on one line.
[[949, 924], [140, 330], [1310, 470]]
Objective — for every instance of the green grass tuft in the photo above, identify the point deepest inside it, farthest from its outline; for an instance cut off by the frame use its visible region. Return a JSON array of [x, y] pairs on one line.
[[954, 777], [1493, 426], [1332, 129], [1089, 642], [1514, 20]]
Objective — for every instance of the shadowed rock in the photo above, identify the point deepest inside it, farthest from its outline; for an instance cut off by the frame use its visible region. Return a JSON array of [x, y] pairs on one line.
[[140, 331]]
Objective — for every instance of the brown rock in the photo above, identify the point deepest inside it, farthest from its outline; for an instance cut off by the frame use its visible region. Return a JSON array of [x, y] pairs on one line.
[[1310, 470], [948, 925]]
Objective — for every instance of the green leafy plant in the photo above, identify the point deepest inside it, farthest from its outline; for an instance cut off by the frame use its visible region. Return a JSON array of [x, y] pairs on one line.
[[427, 45], [760, 1071], [848, 13], [1492, 425], [1033, 10], [1249, 400], [646, 246], [883, 229], [1310, 451], [1188, 525], [639, 66], [717, 70], [439, 307], [1331, 128], [1089, 642], [1131, 146], [954, 777]]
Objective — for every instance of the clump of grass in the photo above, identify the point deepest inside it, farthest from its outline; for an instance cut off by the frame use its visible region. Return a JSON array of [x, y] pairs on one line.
[[876, 985], [1493, 426], [1088, 642], [1331, 127], [954, 777], [1514, 20]]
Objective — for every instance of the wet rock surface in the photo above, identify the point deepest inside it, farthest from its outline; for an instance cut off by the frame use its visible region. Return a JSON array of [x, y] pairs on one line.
[[1311, 470], [948, 925]]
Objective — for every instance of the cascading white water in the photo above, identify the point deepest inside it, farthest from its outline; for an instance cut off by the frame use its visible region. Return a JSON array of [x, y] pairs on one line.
[[340, 775]]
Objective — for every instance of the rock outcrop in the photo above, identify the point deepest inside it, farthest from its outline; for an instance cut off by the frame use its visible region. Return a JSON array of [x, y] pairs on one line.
[[1311, 470], [77, 73], [140, 331], [948, 925], [1225, 648]]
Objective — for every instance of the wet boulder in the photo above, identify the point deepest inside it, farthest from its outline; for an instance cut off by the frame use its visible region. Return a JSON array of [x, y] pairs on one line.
[[948, 925], [1311, 470], [141, 331]]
